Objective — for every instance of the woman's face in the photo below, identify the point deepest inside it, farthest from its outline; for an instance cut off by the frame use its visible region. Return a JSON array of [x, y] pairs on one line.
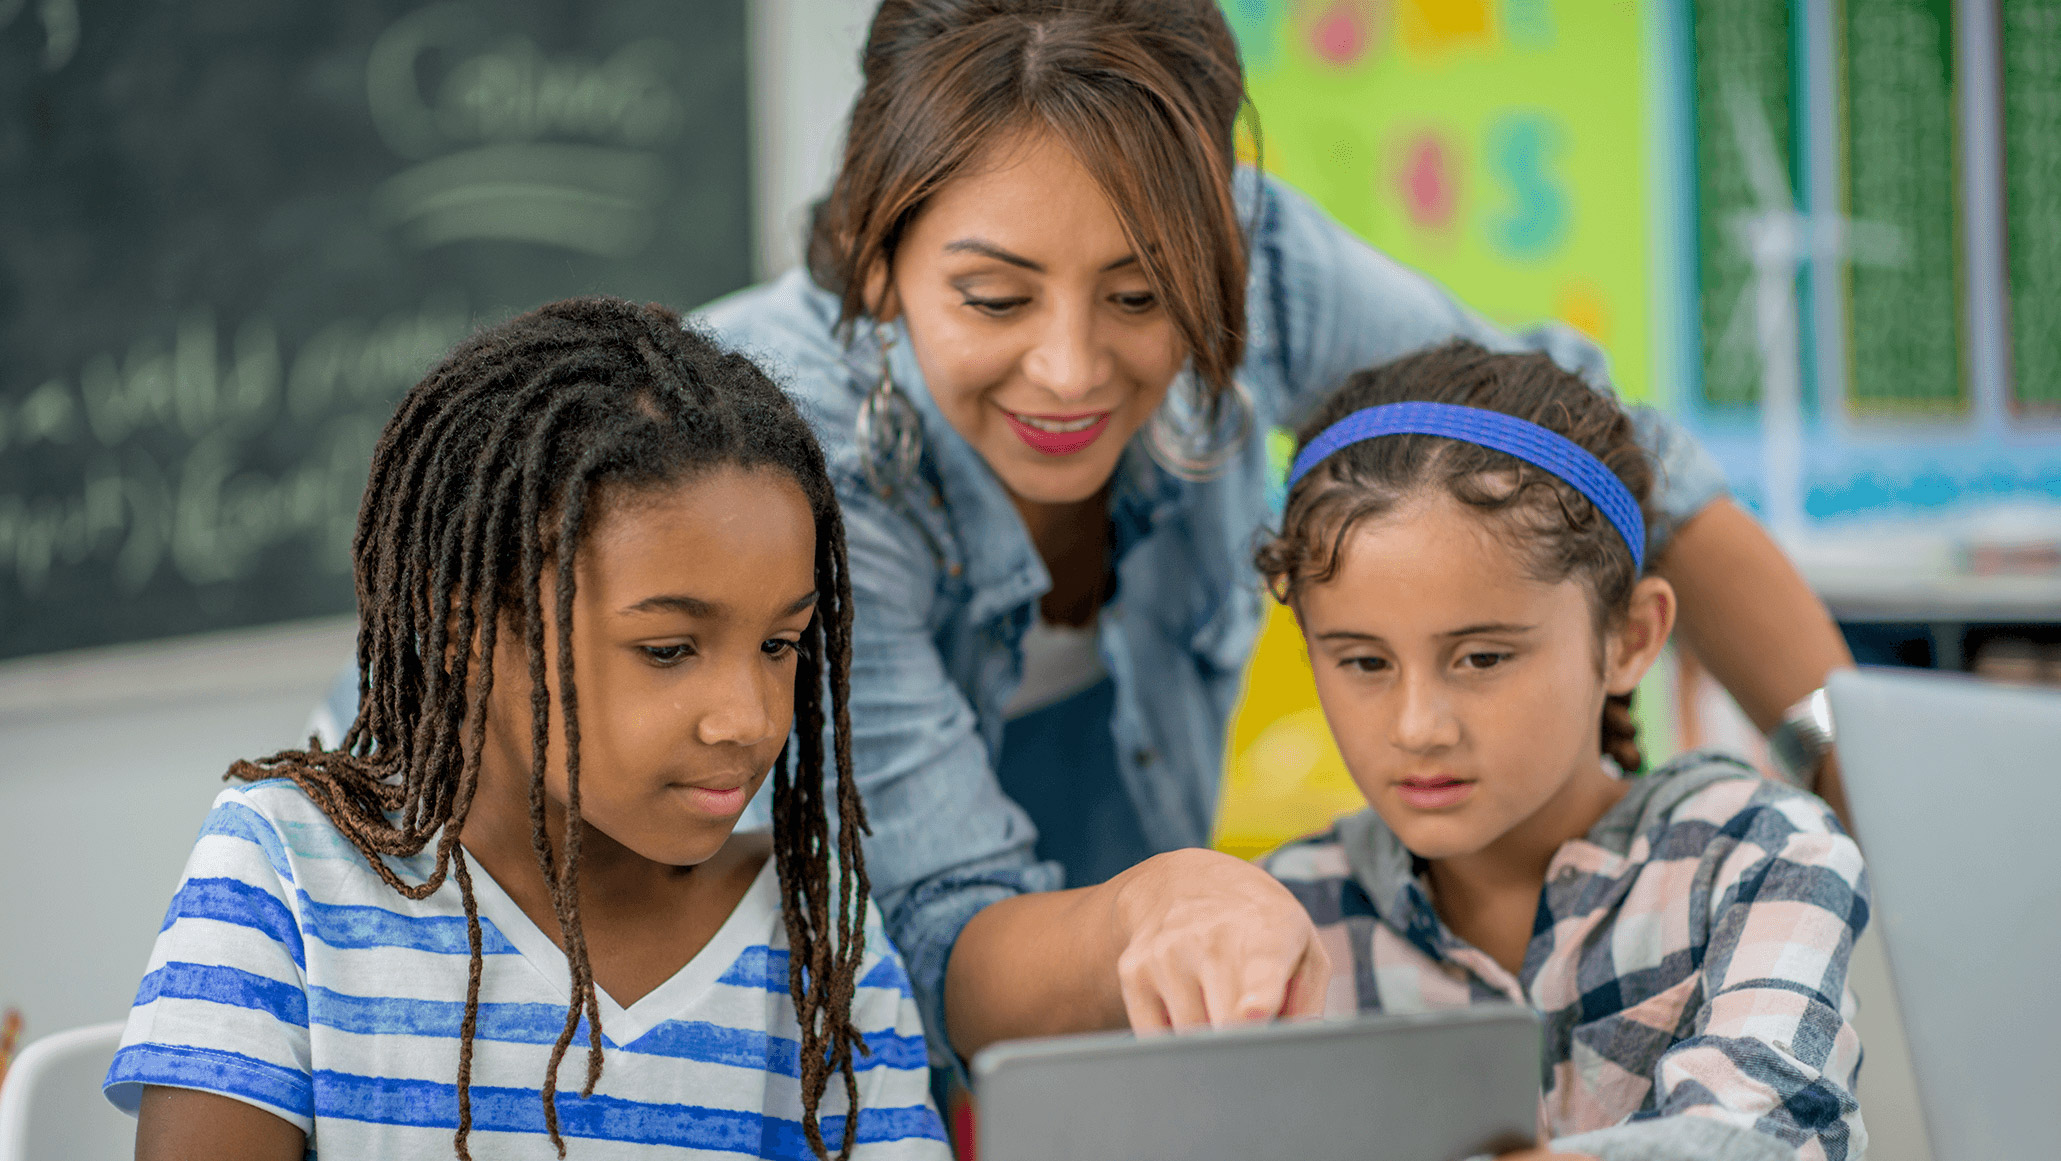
[[1036, 330]]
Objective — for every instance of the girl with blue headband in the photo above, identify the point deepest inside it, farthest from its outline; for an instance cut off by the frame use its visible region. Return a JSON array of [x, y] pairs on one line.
[[1464, 549]]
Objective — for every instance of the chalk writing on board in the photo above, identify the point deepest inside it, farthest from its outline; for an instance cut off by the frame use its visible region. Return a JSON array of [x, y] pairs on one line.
[[235, 234], [485, 169], [199, 511]]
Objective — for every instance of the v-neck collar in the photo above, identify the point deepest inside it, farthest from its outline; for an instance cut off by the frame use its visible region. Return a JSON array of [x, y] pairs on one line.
[[620, 1025]]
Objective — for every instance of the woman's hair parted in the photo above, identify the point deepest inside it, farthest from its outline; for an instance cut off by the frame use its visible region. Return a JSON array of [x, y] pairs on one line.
[[1146, 93], [484, 479], [1557, 533]]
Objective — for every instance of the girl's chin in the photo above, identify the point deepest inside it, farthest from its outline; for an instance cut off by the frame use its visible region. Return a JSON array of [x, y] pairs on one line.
[[1438, 838]]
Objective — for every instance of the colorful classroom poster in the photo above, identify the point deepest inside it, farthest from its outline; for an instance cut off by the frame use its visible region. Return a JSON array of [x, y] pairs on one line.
[[1501, 147], [2032, 200], [1498, 145]]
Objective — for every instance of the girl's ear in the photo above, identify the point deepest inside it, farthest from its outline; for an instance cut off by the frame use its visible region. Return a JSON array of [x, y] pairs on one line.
[[1637, 642]]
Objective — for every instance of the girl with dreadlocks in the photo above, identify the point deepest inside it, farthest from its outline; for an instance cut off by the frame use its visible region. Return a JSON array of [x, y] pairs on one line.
[[603, 592]]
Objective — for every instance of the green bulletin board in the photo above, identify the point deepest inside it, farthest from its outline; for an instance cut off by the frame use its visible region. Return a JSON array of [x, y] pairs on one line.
[[1901, 131], [1735, 45], [2032, 199]]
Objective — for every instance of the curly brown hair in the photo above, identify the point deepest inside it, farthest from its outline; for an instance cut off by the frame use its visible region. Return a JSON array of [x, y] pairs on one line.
[[1556, 531], [490, 463]]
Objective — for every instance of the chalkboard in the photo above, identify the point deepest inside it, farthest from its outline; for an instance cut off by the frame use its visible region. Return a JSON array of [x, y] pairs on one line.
[[1904, 356], [2032, 198], [1740, 55], [232, 233]]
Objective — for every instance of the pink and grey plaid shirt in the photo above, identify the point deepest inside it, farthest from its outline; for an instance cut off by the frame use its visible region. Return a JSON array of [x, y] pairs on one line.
[[1689, 956]]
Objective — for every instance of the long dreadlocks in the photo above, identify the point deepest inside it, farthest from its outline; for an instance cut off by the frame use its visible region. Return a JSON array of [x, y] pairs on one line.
[[482, 480]]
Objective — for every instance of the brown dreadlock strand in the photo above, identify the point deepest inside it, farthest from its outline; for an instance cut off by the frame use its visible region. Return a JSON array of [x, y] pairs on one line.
[[482, 480]]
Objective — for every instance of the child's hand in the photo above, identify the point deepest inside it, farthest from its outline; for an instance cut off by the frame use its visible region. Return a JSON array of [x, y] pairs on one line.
[[1211, 940]]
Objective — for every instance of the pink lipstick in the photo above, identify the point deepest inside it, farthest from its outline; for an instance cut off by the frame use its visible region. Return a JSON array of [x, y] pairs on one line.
[[1058, 435]]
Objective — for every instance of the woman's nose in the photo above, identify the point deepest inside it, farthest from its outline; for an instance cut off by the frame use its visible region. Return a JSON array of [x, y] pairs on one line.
[[1067, 360]]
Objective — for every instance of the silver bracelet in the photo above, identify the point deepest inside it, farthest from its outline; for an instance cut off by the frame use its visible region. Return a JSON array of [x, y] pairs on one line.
[[1799, 744]]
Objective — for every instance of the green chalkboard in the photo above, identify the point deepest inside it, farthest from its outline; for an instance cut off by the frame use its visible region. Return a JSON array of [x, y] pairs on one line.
[[235, 232], [2032, 199], [1904, 354], [1741, 60]]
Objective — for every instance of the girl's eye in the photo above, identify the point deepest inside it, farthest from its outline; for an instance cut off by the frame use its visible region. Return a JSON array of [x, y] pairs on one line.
[[1366, 664], [995, 307], [1484, 660], [780, 648], [668, 654], [1136, 303]]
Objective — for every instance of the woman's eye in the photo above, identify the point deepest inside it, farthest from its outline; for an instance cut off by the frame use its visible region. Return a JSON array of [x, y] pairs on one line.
[[780, 648], [1366, 664], [995, 307], [1483, 660], [668, 654], [1137, 303]]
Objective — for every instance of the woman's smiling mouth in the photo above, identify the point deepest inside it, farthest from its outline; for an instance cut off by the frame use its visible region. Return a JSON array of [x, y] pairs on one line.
[[1057, 435]]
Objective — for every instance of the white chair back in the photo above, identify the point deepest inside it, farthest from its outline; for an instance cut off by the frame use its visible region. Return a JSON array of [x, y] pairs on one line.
[[50, 1104]]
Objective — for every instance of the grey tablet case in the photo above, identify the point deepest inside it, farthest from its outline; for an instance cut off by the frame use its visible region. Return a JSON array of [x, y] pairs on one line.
[[1956, 791], [1436, 1087]]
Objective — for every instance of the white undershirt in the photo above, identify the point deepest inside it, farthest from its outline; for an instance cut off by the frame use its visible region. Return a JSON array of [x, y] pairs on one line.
[[1058, 662]]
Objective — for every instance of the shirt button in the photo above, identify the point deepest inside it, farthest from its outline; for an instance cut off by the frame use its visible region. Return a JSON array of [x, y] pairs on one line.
[[1144, 756], [955, 568], [936, 501]]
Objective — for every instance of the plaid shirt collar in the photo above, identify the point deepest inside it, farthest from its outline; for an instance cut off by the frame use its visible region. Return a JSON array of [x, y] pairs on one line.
[[1396, 883]]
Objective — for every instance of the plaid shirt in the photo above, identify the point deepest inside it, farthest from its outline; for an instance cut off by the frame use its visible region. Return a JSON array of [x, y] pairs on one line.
[[1689, 956]]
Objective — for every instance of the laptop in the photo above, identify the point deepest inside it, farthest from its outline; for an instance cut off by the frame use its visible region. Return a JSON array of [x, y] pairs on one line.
[[1436, 1087], [1955, 786]]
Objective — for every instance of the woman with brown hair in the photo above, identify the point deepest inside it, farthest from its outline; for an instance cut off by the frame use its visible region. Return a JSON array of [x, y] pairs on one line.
[[1046, 320]]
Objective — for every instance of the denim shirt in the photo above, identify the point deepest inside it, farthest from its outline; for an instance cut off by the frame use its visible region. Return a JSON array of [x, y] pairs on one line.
[[945, 577]]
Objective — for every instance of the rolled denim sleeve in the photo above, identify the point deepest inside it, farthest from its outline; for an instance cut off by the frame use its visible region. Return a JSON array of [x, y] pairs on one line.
[[946, 840], [1341, 306]]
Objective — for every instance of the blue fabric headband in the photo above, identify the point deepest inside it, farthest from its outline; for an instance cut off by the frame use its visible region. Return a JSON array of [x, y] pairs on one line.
[[1495, 430]]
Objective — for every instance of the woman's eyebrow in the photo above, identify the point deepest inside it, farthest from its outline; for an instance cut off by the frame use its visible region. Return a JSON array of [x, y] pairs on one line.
[[987, 249]]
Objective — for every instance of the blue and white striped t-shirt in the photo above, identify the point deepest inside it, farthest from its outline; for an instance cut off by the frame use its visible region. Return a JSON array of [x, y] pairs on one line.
[[289, 976]]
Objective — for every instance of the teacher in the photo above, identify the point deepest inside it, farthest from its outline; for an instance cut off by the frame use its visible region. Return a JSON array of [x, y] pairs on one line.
[[1046, 321]]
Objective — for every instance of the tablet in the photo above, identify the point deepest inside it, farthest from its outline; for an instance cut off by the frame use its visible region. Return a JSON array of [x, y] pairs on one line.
[[1434, 1087], [1955, 785]]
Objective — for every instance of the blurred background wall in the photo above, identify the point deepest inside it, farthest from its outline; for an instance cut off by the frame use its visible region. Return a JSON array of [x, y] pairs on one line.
[[1823, 233]]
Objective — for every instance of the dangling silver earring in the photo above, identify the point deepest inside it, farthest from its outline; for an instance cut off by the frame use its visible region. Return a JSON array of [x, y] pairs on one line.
[[1194, 439], [890, 433]]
